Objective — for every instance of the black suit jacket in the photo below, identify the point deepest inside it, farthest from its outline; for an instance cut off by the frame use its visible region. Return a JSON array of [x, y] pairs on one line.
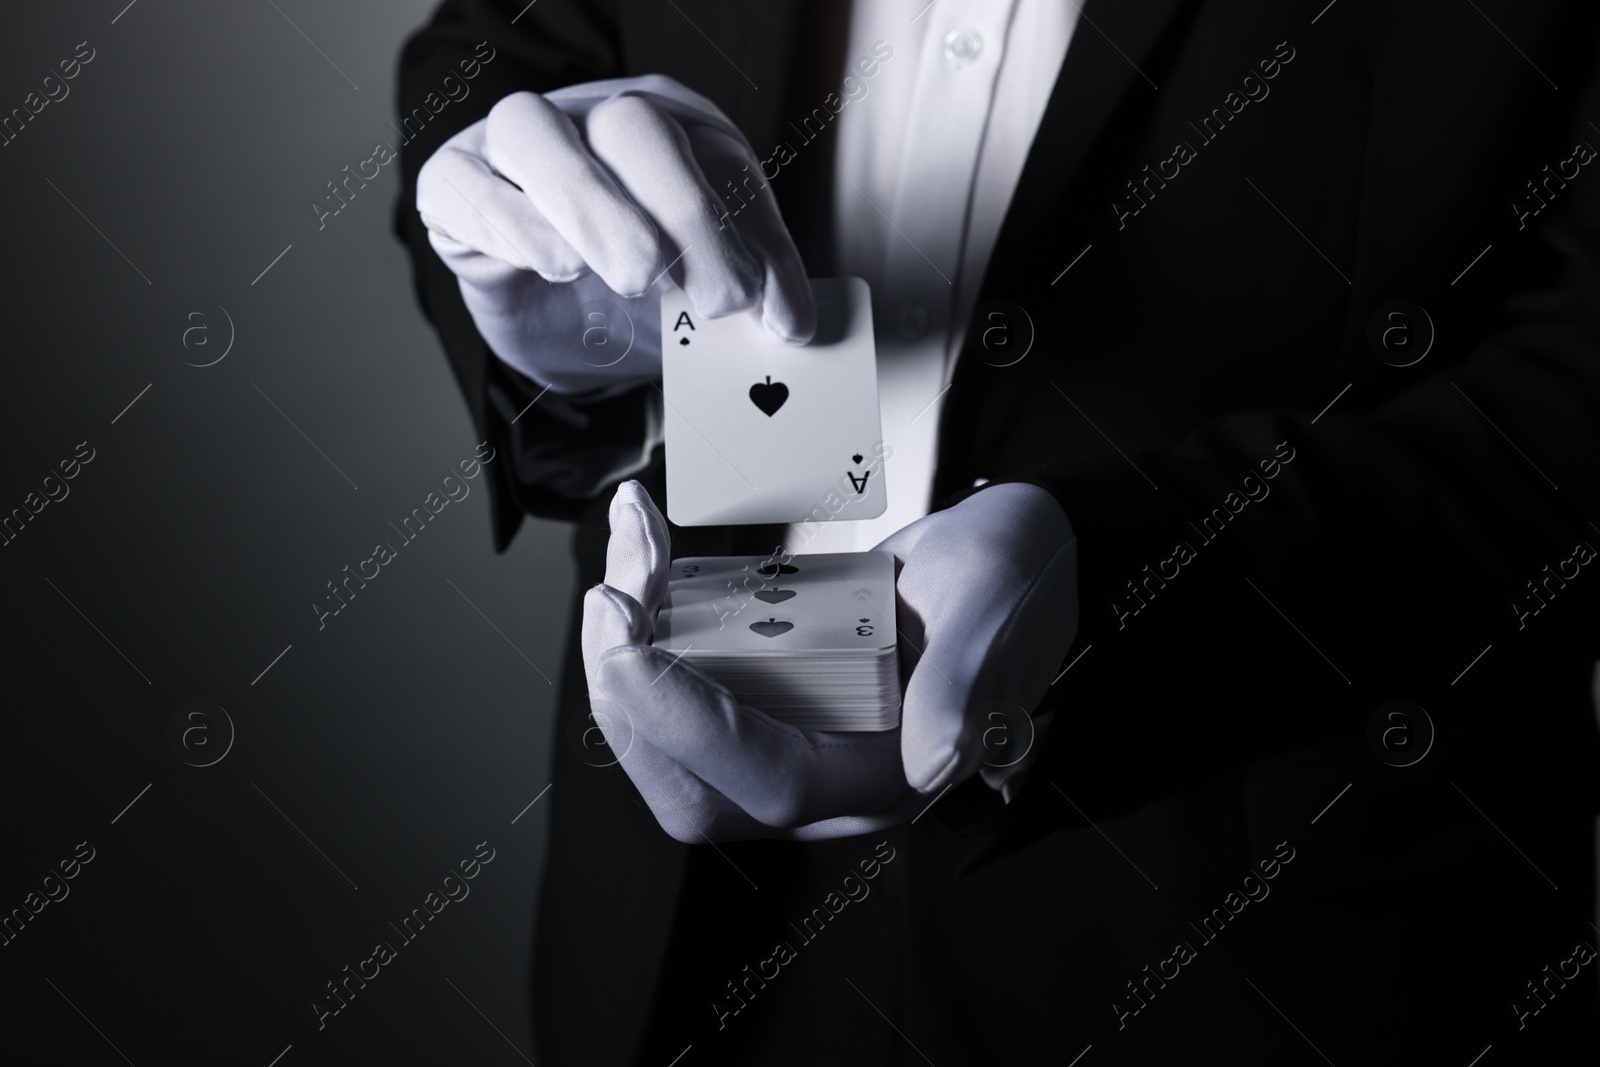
[[1280, 529]]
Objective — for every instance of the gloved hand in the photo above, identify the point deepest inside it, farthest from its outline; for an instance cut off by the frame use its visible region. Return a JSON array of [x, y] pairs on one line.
[[556, 209], [987, 610]]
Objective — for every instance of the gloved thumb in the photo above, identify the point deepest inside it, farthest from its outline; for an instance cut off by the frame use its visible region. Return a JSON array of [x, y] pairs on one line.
[[640, 549]]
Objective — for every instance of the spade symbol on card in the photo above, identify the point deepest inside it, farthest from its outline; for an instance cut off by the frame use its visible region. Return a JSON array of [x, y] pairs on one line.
[[775, 596], [772, 570], [771, 627], [769, 397], [856, 459]]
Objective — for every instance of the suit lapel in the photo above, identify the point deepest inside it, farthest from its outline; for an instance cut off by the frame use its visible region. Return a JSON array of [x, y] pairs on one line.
[[1108, 85], [1114, 64], [736, 53], [768, 54]]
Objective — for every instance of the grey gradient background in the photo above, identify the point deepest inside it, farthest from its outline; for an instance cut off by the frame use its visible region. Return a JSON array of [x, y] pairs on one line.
[[397, 738]]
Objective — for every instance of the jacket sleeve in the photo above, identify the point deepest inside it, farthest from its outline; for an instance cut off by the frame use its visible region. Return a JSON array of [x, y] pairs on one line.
[[563, 450]]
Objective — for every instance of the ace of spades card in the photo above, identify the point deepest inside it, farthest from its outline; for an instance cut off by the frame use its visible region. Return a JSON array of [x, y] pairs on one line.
[[759, 431]]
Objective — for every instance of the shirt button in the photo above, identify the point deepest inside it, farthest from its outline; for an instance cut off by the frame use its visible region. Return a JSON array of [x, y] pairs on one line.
[[962, 46], [913, 321]]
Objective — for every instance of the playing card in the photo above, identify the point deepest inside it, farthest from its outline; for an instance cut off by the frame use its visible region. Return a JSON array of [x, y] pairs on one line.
[[810, 640], [841, 601], [758, 431]]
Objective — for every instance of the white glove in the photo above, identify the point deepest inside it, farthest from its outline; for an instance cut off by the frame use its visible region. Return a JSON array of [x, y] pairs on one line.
[[987, 605], [559, 208]]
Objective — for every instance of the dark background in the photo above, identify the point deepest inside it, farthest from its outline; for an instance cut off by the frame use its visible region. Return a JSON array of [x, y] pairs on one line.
[[194, 544]]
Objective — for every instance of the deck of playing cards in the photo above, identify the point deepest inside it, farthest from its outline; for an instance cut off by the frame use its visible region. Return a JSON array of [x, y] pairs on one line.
[[809, 639]]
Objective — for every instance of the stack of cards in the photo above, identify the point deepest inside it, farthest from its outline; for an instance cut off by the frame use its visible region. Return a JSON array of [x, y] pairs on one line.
[[809, 641]]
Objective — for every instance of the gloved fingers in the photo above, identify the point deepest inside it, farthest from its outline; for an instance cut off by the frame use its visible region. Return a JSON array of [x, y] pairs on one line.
[[534, 144], [451, 250], [994, 634], [649, 155], [687, 808], [461, 198], [911, 632], [639, 552], [905, 539], [610, 618], [939, 740], [788, 309], [576, 337], [781, 776], [463, 259], [989, 662], [622, 609], [692, 812]]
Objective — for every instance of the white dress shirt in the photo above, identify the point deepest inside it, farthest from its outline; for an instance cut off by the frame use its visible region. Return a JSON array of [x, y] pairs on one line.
[[925, 168]]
